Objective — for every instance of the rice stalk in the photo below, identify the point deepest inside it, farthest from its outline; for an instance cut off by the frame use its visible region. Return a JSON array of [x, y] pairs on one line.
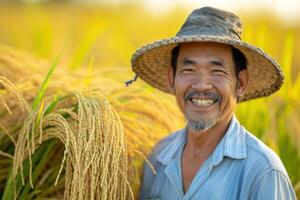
[[95, 149], [11, 89], [2, 153]]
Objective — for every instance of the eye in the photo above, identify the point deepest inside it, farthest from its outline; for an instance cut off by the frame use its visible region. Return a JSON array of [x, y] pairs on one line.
[[187, 70], [218, 71]]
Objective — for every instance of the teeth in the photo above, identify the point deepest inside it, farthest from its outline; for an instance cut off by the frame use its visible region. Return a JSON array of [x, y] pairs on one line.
[[203, 102]]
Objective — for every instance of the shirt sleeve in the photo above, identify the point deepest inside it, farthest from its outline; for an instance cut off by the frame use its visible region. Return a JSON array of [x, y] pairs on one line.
[[273, 185]]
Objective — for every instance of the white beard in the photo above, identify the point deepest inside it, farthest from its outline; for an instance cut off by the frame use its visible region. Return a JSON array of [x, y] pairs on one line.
[[202, 124]]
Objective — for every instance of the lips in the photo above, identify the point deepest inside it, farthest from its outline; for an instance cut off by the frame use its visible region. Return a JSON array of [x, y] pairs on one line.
[[203, 102], [203, 99]]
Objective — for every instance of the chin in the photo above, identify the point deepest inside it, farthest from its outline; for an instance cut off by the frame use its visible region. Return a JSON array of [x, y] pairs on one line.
[[200, 124]]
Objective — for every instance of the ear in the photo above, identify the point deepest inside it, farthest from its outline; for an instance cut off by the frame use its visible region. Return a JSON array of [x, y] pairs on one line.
[[171, 79], [242, 82]]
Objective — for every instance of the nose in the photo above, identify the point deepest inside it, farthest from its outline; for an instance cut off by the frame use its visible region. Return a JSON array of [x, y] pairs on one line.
[[202, 83]]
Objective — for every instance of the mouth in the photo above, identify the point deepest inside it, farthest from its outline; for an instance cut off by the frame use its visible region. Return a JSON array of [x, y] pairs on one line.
[[203, 102]]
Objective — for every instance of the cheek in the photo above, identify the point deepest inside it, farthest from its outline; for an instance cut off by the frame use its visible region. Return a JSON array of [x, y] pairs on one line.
[[225, 85], [226, 88], [181, 87]]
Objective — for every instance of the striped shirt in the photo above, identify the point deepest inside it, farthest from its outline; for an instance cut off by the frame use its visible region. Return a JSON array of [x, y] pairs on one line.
[[241, 167]]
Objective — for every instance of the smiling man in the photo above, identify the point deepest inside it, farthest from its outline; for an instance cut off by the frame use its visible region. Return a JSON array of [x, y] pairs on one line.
[[209, 70]]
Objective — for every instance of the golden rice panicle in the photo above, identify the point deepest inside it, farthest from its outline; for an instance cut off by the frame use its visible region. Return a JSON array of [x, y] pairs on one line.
[[7, 92], [11, 89], [95, 147]]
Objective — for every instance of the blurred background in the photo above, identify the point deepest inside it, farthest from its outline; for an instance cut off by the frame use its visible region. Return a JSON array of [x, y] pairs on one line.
[[107, 32]]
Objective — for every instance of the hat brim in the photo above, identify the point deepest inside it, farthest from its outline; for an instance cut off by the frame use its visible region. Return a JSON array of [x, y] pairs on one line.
[[152, 62]]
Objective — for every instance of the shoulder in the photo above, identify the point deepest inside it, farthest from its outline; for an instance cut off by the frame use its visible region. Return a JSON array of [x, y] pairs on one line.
[[262, 160], [269, 176], [163, 144], [264, 170], [257, 150], [152, 169]]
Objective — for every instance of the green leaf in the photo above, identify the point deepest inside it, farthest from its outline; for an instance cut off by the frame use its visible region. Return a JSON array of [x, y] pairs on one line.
[[38, 160], [45, 83], [40, 163]]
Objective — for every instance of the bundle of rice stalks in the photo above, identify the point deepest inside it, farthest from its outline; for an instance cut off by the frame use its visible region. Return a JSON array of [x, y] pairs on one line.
[[31, 131], [95, 149]]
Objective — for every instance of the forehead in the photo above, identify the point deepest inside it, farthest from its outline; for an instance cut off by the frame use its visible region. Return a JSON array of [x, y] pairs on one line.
[[206, 49]]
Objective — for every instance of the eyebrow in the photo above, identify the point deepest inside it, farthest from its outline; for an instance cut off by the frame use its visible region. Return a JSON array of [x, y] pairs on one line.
[[187, 61], [219, 62]]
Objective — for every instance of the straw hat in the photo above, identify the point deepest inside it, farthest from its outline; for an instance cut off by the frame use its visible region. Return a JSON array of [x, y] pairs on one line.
[[151, 62]]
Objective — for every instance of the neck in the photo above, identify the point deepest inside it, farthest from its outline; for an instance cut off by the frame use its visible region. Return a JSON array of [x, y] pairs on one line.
[[205, 142]]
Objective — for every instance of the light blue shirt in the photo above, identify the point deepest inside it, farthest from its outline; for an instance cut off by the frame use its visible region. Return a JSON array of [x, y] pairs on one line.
[[241, 167]]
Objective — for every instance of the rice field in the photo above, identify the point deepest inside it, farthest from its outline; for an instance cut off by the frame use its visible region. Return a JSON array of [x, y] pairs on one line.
[[60, 62]]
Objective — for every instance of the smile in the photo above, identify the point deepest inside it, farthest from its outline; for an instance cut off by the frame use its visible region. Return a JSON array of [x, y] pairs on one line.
[[203, 102]]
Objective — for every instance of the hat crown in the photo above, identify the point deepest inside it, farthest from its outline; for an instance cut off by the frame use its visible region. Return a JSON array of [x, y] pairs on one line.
[[210, 21]]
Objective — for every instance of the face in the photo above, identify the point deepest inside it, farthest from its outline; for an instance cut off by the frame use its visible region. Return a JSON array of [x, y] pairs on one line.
[[205, 84]]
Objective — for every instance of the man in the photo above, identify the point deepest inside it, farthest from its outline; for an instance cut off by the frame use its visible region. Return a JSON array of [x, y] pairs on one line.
[[209, 69]]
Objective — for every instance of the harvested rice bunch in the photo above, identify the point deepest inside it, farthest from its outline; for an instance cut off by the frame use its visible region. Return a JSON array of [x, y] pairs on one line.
[[95, 152], [146, 118]]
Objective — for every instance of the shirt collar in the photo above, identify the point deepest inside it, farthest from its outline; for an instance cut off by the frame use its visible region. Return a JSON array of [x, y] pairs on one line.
[[233, 144], [168, 153]]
